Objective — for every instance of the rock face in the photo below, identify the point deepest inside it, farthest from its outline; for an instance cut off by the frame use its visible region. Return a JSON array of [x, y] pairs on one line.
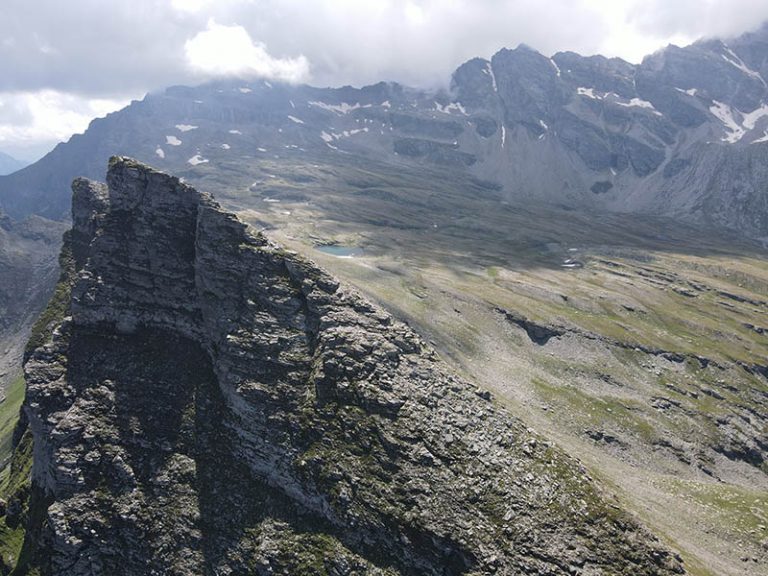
[[213, 404]]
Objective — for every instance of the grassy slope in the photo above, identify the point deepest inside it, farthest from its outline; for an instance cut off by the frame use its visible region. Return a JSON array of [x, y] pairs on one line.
[[9, 416], [11, 537]]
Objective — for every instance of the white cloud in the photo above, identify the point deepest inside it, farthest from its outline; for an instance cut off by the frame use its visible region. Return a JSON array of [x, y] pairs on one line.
[[31, 119], [625, 38], [696, 18], [229, 51], [190, 6]]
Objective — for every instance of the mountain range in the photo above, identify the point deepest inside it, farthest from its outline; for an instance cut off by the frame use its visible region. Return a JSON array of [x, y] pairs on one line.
[[683, 134]]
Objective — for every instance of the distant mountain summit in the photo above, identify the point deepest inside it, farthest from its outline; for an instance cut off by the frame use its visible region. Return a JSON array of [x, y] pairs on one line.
[[683, 134], [9, 164]]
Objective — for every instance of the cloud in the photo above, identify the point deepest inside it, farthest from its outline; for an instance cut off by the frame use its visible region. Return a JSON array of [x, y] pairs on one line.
[[697, 18], [30, 121], [229, 51], [417, 42], [190, 6], [108, 49]]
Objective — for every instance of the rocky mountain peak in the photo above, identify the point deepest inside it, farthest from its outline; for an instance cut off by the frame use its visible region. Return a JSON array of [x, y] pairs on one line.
[[210, 403]]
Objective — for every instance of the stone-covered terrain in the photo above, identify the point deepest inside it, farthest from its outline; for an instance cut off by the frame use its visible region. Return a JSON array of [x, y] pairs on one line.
[[210, 403]]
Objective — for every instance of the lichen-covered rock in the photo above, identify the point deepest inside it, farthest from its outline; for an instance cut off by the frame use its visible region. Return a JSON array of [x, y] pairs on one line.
[[214, 404]]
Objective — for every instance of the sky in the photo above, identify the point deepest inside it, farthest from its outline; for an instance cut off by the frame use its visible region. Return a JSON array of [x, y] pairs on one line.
[[65, 63]]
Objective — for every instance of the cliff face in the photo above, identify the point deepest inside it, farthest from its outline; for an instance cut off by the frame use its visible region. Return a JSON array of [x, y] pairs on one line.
[[213, 404]]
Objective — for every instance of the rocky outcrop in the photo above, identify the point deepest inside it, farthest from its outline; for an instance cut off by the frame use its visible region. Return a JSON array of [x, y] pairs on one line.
[[214, 404]]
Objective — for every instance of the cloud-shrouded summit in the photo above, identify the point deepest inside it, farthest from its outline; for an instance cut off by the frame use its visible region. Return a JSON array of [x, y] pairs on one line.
[[95, 56]]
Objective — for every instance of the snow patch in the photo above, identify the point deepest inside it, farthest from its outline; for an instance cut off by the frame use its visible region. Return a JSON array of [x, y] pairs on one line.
[[172, 141], [489, 70], [245, 90], [160, 152], [344, 134], [724, 113], [343, 108], [225, 146], [555, 66], [734, 60], [235, 132], [615, 98], [450, 108], [638, 103], [456, 106], [185, 127], [296, 120], [267, 84], [588, 92], [763, 139], [292, 104], [503, 135], [736, 130], [197, 159], [543, 124], [690, 91], [751, 118], [261, 149], [386, 104]]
